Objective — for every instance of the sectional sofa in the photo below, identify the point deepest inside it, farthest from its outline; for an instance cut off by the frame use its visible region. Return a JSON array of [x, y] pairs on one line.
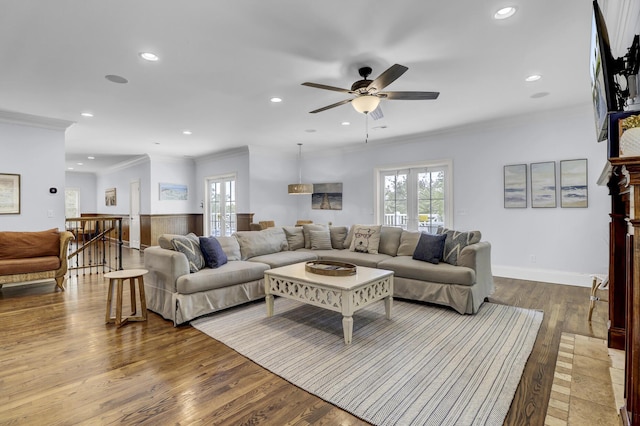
[[179, 290]]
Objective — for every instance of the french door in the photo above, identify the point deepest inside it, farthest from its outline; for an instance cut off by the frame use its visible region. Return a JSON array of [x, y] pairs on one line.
[[415, 198], [220, 215]]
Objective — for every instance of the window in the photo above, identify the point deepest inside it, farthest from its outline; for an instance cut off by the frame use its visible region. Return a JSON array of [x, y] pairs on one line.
[[416, 197], [71, 202], [221, 205]]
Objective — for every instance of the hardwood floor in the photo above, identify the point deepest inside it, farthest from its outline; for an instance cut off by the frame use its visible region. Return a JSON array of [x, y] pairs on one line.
[[60, 364]]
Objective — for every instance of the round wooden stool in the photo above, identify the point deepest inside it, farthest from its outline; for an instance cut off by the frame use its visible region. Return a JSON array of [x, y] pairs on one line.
[[118, 277]]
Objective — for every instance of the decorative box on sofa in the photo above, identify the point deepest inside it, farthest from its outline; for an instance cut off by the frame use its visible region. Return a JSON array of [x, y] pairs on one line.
[[34, 256]]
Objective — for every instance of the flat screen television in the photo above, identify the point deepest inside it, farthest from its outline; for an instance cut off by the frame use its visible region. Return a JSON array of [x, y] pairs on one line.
[[603, 69]]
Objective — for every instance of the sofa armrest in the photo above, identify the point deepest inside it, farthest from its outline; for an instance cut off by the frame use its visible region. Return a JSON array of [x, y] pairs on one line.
[[478, 257], [65, 238], [165, 267]]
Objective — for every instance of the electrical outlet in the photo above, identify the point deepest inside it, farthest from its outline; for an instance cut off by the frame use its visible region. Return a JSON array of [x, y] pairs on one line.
[[532, 258]]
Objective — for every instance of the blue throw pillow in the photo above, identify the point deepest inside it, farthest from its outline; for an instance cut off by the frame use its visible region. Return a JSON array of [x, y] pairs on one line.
[[214, 256], [430, 248]]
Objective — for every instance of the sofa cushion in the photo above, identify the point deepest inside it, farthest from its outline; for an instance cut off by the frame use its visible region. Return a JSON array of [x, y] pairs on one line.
[[456, 241], [24, 245], [320, 240], [189, 245], [230, 247], [26, 266], [406, 267], [285, 258], [311, 227], [389, 240], [366, 239], [231, 273], [408, 243], [295, 237], [257, 243], [360, 259], [338, 236], [430, 248], [212, 252]]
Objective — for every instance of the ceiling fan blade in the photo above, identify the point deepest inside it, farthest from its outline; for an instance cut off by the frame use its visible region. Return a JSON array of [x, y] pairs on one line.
[[408, 96], [346, 101], [325, 87], [377, 114], [386, 78]]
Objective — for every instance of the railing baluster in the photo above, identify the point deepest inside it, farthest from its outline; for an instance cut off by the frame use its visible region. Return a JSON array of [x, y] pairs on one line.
[[92, 246]]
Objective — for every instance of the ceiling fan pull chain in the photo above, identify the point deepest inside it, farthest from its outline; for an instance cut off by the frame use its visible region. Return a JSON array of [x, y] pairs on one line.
[[366, 128]]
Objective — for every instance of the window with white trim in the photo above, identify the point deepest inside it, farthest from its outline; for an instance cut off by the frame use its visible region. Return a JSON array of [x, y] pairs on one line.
[[415, 198], [221, 205]]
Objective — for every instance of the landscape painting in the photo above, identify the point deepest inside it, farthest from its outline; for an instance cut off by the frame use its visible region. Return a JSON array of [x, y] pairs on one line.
[[543, 185], [327, 196], [573, 183], [173, 192], [515, 186]]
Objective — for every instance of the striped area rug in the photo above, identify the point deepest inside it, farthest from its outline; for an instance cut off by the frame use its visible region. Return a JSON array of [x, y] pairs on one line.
[[425, 366]]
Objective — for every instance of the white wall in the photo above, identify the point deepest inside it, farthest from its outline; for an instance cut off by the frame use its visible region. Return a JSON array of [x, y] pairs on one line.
[[120, 177], [177, 171], [568, 244], [86, 184], [37, 155]]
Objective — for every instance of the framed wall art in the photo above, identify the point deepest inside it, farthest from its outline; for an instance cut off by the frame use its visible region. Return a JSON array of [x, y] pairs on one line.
[[573, 183], [9, 193], [110, 197], [515, 186], [326, 196], [174, 192], [543, 185]]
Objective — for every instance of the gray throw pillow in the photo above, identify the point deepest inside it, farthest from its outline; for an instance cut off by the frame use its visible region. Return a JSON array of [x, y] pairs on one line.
[[230, 247], [456, 241], [295, 237], [320, 240], [338, 236], [310, 227], [189, 245], [430, 248], [408, 243]]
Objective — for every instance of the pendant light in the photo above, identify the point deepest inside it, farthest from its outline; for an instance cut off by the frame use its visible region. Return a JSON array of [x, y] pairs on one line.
[[300, 188]]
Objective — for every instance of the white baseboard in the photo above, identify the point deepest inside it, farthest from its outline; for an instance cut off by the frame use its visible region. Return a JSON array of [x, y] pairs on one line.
[[544, 275]]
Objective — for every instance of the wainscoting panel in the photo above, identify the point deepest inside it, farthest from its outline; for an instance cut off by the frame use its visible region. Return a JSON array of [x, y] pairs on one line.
[[152, 226]]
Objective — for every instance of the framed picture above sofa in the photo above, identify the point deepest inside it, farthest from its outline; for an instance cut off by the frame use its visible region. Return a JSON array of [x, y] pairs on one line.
[[515, 186], [9, 193]]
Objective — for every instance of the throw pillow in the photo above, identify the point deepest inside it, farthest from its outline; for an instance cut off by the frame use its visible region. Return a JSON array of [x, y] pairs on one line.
[[408, 243], [230, 247], [456, 241], [338, 235], [310, 227], [295, 237], [320, 240], [258, 243], [430, 248], [212, 252], [389, 240], [366, 239], [190, 246]]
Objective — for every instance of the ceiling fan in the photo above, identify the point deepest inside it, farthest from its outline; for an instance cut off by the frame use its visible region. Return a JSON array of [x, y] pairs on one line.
[[368, 93]]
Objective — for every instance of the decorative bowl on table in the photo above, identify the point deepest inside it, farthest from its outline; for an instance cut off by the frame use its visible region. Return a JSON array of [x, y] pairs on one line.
[[330, 268]]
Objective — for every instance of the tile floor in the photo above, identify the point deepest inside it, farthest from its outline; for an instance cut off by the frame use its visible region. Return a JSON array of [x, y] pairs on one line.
[[587, 385]]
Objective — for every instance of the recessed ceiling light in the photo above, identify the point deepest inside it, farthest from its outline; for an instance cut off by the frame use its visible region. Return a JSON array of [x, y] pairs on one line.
[[116, 79], [275, 100], [187, 132], [504, 13], [69, 168], [91, 157], [533, 77], [79, 164], [148, 56], [345, 123], [86, 114]]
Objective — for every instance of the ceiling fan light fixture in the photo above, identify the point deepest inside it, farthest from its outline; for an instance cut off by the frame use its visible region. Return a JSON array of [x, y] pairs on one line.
[[366, 103]]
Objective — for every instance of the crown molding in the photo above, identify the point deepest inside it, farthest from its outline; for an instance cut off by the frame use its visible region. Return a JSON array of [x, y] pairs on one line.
[[229, 153], [126, 164], [12, 117]]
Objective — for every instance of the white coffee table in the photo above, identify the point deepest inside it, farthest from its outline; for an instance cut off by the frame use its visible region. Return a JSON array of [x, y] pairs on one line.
[[341, 294]]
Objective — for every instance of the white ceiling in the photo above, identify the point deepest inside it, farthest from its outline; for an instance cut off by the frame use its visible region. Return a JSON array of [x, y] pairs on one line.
[[221, 62]]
